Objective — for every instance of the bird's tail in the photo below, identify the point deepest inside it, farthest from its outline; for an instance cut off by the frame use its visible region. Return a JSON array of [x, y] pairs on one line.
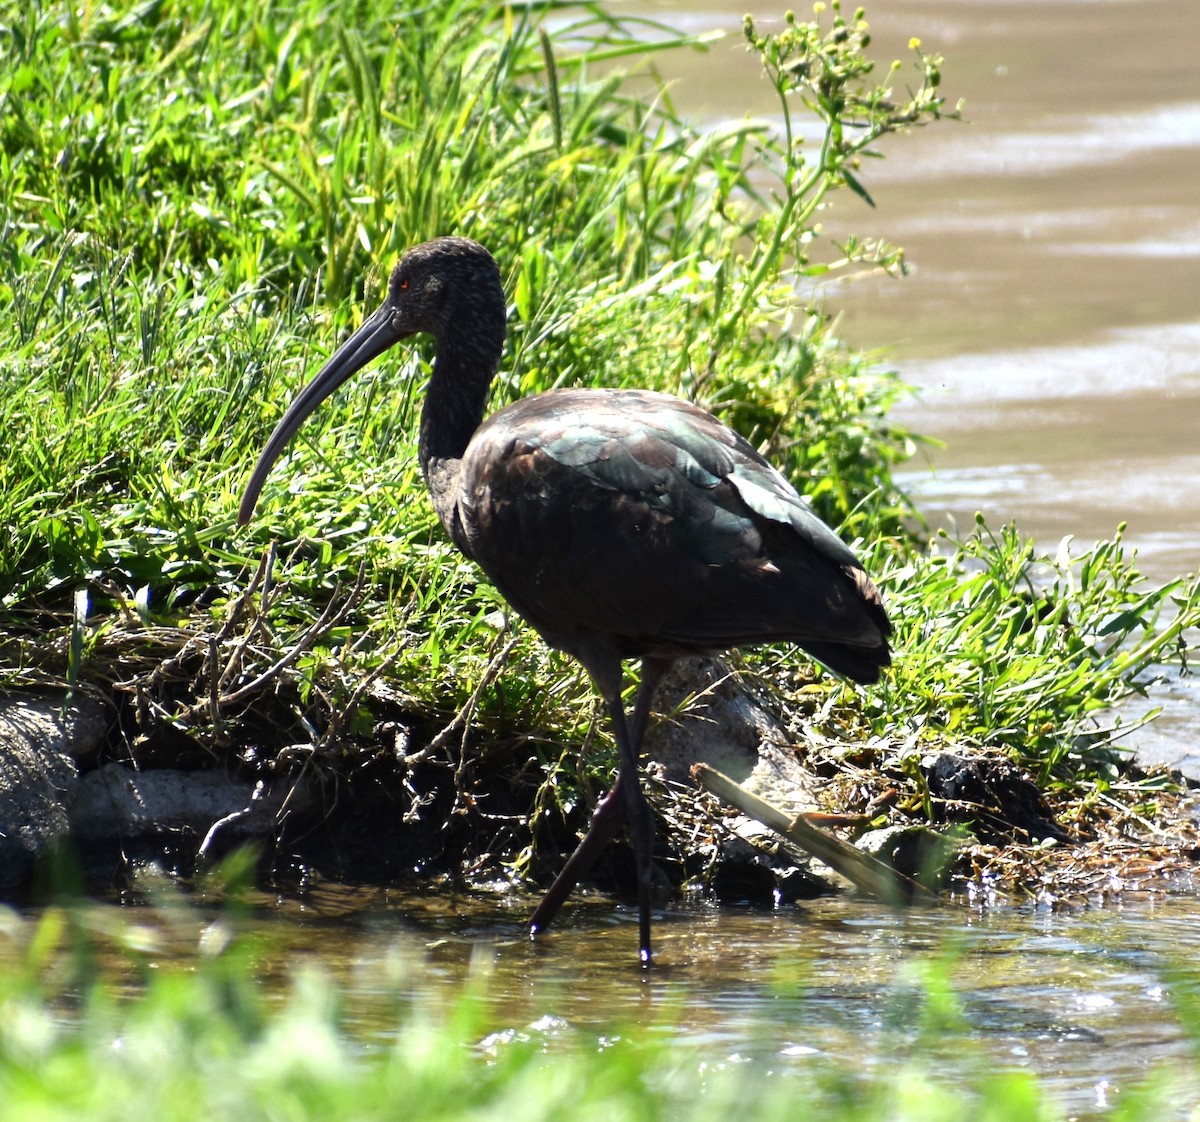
[[859, 664]]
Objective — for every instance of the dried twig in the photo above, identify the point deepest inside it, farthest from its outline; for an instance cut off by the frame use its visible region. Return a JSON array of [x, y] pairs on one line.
[[330, 618], [262, 577], [463, 717]]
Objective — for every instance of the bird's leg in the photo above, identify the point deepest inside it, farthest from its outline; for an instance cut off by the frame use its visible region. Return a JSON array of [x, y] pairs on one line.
[[641, 821], [607, 820], [653, 672], [611, 812]]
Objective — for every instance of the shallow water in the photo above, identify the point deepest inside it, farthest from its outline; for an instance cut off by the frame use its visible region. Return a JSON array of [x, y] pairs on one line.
[[1082, 998]]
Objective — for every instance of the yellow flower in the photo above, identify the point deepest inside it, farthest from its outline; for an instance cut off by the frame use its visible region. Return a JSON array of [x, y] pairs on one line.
[[914, 44]]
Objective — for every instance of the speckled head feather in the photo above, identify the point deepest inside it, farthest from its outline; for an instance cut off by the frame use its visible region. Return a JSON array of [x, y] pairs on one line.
[[450, 288]]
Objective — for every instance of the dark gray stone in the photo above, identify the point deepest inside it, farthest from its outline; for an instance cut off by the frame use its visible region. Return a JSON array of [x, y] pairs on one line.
[[43, 797], [117, 803], [39, 740]]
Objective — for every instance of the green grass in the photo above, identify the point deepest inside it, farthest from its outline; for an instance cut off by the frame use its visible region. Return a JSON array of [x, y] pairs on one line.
[[174, 264], [1007, 646], [198, 199]]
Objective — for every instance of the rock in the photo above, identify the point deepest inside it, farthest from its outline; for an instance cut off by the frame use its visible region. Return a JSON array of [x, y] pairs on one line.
[[44, 799], [757, 866], [916, 852], [118, 803], [997, 799], [725, 727], [40, 739], [711, 718]]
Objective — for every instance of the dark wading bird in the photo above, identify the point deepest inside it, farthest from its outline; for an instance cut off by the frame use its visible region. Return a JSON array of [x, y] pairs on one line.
[[619, 523]]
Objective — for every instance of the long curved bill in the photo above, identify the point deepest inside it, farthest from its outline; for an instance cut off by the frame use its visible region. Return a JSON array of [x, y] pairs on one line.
[[376, 334]]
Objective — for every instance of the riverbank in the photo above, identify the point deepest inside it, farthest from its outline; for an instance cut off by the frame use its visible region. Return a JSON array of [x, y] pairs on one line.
[[174, 275]]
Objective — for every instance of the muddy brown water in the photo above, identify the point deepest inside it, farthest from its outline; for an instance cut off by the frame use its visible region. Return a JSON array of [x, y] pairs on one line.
[[1052, 322], [1052, 317]]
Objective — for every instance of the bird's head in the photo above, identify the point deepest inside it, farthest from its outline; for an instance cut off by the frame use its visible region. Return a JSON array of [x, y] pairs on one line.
[[449, 288], [438, 285]]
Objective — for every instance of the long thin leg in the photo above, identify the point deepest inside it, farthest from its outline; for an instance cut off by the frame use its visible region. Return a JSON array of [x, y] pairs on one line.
[[607, 820], [641, 820], [641, 824], [653, 672], [612, 812]]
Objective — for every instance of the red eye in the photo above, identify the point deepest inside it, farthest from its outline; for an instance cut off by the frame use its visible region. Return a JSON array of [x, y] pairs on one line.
[[403, 286]]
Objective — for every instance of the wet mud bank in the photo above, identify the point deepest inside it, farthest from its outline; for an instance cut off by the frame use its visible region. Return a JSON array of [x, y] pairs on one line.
[[369, 815], [69, 786], [70, 790]]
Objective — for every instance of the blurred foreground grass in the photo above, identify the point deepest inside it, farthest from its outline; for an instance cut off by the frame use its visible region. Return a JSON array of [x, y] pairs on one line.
[[182, 1014]]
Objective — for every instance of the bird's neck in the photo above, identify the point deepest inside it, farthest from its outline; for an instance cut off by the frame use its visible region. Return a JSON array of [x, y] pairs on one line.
[[453, 409]]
